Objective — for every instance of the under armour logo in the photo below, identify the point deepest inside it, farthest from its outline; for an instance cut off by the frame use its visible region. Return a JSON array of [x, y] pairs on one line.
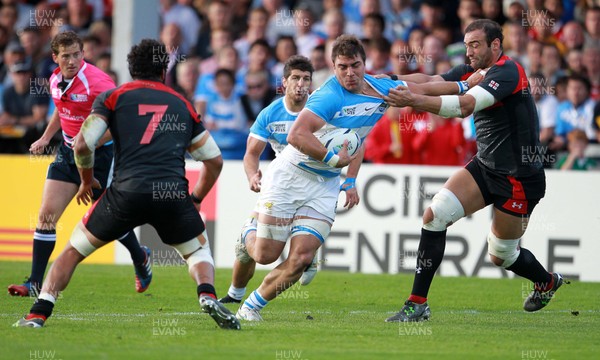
[[418, 270], [517, 205]]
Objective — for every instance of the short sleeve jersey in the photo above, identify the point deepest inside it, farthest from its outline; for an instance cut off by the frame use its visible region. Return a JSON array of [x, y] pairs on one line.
[[152, 127], [273, 125], [340, 108], [74, 103], [507, 133]]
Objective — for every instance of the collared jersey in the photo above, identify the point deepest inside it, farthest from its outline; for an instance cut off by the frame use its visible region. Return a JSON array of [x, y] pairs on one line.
[[507, 133], [340, 108], [152, 127], [273, 125], [75, 102]]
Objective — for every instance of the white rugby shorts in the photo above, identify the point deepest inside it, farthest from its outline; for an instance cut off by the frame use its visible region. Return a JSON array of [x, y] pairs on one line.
[[287, 188]]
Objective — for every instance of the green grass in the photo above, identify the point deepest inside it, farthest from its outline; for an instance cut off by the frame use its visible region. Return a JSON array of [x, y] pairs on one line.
[[101, 317]]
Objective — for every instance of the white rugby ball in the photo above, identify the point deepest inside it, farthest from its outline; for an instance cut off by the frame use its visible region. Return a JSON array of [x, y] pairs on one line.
[[334, 140]]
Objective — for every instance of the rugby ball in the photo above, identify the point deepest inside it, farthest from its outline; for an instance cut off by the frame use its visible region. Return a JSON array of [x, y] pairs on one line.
[[334, 140]]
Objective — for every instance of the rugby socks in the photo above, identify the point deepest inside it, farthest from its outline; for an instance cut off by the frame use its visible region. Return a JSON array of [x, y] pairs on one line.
[[43, 245], [236, 293], [207, 290], [42, 308], [529, 267], [255, 301], [130, 241], [429, 258]]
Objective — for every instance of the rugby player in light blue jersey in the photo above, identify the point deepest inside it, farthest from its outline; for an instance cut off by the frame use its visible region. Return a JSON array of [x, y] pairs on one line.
[[301, 186], [271, 126]]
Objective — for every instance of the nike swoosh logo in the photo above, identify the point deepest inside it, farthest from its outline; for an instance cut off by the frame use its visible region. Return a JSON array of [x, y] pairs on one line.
[[367, 109]]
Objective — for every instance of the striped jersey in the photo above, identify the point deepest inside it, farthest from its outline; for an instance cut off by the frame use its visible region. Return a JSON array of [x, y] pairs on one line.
[[340, 108], [273, 125]]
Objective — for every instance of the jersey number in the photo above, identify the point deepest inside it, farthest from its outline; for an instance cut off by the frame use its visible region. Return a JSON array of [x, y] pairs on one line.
[[159, 111]]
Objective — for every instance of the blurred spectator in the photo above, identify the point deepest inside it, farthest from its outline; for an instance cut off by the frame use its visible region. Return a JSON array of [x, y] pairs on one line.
[[433, 52], [390, 142], [378, 56], [401, 18], [218, 16], [43, 18], [492, 9], [575, 113], [219, 38], [514, 10], [259, 58], [373, 27], [284, 49], [225, 118], [103, 31], [23, 13], [468, 9], [546, 104], [515, 42], [187, 78], [8, 18], [576, 159], [25, 105], [13, 53], [3, 37], [281, 20], [187, 20], [592, 27], [440, 141], [534, 55], [414, 55], [104, 62], [227, 58], [259, 94], [171, 37], [442, 67], [573, 36], [257, 28], [551, 63], [432, 14], [334, 24], [575, 62], [399, 58], [306, 38], [356, 11], [591, 63], [79, 16], [41, 60], [322, 71], [91, 48]]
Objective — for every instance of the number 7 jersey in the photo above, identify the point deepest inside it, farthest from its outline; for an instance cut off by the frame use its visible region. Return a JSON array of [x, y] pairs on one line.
[[152, 127]]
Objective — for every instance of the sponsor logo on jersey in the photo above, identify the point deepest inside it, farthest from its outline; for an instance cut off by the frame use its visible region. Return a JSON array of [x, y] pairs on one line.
[[78, 97], [494, 85]]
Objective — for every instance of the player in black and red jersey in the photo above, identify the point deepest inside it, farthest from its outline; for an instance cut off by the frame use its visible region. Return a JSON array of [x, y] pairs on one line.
[[505, 171], [152, 127]]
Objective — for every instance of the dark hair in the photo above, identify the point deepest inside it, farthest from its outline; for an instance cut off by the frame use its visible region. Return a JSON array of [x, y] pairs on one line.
[[147, 60], [297, 62], [582, 79], [378, 18], [91, 38], [65, 39], [382, 44], [491, 29], [347, 45], [260, 42], [226, 72]]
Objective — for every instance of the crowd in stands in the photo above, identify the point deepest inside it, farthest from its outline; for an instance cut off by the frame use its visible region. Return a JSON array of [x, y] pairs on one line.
[[226, 57]]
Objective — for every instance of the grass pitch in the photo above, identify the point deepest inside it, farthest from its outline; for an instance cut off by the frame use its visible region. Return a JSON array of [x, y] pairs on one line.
[[338, 316]]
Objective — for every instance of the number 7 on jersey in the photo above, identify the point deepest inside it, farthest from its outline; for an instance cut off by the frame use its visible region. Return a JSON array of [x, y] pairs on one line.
[[159, 111]]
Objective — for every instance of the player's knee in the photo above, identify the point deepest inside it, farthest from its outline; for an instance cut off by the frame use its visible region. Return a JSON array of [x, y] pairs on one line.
[[80, 242], [47, 219], [445, 210], [193, 252], [311, 227], [264, 256], [299, 261], [503, 253]]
